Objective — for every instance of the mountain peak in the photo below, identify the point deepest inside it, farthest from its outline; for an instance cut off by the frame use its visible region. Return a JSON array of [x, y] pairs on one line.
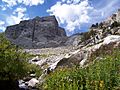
[[37, 33]]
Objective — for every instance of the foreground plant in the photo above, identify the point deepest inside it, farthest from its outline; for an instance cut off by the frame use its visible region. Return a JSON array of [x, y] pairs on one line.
[[13, 64]]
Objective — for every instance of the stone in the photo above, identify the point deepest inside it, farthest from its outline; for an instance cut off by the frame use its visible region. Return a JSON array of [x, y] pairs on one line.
[[33, 82], [23, 86], [34, 60], [32, 75], [111, 38]]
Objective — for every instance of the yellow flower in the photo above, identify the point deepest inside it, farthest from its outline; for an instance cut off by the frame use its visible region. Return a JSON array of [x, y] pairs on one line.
[[61, 69], [101, 83]]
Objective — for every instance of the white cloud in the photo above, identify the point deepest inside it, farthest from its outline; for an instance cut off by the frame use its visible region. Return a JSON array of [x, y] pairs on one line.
[[20, 12], [109, 8], [73, 14], [2, 22], [71, 1], [11, 20], [2, 27], [17, 16], [3, 8], [31, 2], [104, 11], [11, 3]]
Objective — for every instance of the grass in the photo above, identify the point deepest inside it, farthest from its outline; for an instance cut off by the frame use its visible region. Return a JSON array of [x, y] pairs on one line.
[[103, 74]]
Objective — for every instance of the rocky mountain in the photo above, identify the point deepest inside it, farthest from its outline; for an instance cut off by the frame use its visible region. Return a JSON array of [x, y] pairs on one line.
[[40, 32], [74, 40], [45, 33]]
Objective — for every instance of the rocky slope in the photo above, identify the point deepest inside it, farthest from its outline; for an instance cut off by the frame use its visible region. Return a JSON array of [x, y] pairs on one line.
[[77, 49]]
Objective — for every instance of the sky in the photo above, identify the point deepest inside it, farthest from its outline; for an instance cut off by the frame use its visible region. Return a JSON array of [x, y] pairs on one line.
[[73, 15]]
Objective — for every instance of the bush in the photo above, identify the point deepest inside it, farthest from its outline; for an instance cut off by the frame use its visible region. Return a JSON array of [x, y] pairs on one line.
[[13, 65], [13, 62]]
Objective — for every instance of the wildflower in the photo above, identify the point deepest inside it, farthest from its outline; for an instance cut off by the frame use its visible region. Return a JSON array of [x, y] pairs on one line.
[[61, 69], [101, 83]]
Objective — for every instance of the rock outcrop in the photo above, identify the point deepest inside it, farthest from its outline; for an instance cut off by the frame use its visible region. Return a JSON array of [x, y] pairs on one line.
[[74, 40], [39, 32]]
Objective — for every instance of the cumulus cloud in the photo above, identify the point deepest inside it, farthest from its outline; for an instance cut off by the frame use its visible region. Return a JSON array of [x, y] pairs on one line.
[[17, 16], [11, 3], [20, 12], [73, 13], [2, 27]]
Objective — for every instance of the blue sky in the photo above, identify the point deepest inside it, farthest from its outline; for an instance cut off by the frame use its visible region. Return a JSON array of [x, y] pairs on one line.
[[73, 15]]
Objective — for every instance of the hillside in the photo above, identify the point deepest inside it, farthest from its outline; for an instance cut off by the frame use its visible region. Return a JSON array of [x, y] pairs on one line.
[[85, 61]]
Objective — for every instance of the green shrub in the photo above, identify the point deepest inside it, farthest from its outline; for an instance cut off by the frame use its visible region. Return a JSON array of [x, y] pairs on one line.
[[13, 62], [34, 68]]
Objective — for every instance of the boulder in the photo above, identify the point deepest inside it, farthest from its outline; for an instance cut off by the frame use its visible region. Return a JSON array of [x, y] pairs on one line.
[[111, 38], [33, 82]]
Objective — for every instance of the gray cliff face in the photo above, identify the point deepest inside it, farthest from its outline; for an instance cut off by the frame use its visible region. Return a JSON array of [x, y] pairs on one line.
[[37, 33], [74, 40]]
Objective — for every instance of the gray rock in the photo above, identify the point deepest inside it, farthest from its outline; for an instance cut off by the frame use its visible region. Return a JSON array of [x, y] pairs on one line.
[[37, 33], [74, 40], [33, 82]]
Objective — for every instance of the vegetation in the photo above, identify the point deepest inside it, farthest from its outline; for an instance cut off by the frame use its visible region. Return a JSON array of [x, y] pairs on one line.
[[40, 55], [115, 24], [88, 35], [101, 25], [103, 74], [95, 25], [13, 62], [15, 35]]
